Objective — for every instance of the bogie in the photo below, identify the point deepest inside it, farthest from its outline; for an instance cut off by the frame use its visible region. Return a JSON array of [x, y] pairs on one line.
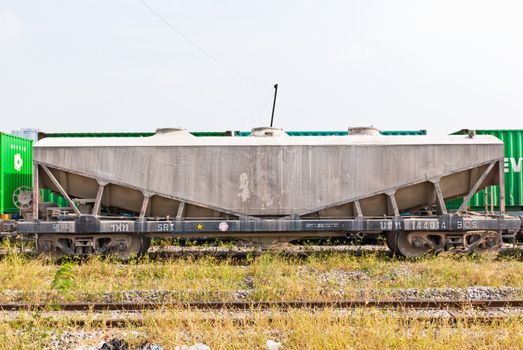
[[121, 246]]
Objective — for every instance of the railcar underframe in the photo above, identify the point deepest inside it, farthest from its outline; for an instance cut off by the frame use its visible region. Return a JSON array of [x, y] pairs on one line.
[[90, 235]]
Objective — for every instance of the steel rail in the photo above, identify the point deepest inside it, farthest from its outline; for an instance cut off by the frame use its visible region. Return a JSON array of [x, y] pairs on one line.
[[267, 305]]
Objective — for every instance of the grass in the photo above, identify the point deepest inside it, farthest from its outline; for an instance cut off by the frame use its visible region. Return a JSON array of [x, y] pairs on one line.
[[324, 276], [298, 329]]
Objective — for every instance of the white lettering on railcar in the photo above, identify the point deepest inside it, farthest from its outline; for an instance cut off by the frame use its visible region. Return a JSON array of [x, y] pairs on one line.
[[165, 227], [322, 225], [62, 228], [425, 225], [467, 225], [120, 227], [386, 225]]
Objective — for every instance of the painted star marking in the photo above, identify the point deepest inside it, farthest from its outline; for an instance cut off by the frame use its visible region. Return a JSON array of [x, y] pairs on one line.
[[199, 227]]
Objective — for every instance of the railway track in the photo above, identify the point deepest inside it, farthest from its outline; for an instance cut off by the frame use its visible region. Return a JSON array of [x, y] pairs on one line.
[[268, 305], [123, 315]]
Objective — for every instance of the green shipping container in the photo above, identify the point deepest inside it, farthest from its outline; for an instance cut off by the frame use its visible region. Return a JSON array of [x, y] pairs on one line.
[[224, 133], [16, 165], [125, 134], [344, 133], [513, 142], [47, 196]]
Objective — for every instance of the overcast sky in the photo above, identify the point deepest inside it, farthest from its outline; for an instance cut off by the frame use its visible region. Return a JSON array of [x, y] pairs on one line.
[[111, 65]]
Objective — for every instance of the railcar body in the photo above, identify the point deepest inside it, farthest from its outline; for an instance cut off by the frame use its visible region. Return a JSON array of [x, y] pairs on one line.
[[266, 176]]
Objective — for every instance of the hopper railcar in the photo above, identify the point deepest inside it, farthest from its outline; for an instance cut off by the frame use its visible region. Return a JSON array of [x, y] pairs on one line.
[[268, 188]]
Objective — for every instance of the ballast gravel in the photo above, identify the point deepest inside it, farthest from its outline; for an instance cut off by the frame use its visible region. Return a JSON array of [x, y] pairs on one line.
[[332, 293]]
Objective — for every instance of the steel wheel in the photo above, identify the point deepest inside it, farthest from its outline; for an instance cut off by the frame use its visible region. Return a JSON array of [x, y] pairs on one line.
[[146, 243], [390, 241], [416, 244], [126, 246]]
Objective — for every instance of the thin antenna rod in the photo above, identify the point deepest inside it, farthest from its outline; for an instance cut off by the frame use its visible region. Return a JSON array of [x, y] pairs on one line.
[[274, 102]]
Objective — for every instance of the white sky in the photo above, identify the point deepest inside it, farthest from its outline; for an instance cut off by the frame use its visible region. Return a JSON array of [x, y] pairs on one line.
[[110, 65]]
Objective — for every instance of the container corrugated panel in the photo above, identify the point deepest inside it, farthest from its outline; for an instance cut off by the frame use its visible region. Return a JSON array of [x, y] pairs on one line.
[[210, 133], [513, 142], [404, 132], [344, 133], [96, 134], [47, 196], [16, 158], [126, 134]]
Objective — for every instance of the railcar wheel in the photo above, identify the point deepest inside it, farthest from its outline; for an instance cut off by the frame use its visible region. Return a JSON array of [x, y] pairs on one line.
[[417, 244], [146, 243], [126, 246], [390, 241]]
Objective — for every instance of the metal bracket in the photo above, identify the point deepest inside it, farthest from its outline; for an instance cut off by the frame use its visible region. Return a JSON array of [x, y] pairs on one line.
[[181, 209], [61, 189], [145, 203], [357, 209], [475, 188], [440, 200], [393, 203]]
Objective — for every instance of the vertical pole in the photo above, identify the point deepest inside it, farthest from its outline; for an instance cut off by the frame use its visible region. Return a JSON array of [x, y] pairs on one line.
[[485, 200], [98, 200], [145, 203], [440, 200], [492, 199], [501, 171], [36, 191], [274, 102]]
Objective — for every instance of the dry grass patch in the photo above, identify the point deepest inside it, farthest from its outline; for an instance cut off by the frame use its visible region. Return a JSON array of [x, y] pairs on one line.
[[267, 277], [298, 329]]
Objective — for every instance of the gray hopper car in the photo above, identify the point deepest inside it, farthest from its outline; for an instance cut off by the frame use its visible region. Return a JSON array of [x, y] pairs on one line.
[[268, 188]]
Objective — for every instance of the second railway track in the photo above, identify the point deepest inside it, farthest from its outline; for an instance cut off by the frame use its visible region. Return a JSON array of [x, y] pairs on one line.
[[122, 315], [268, 305]]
